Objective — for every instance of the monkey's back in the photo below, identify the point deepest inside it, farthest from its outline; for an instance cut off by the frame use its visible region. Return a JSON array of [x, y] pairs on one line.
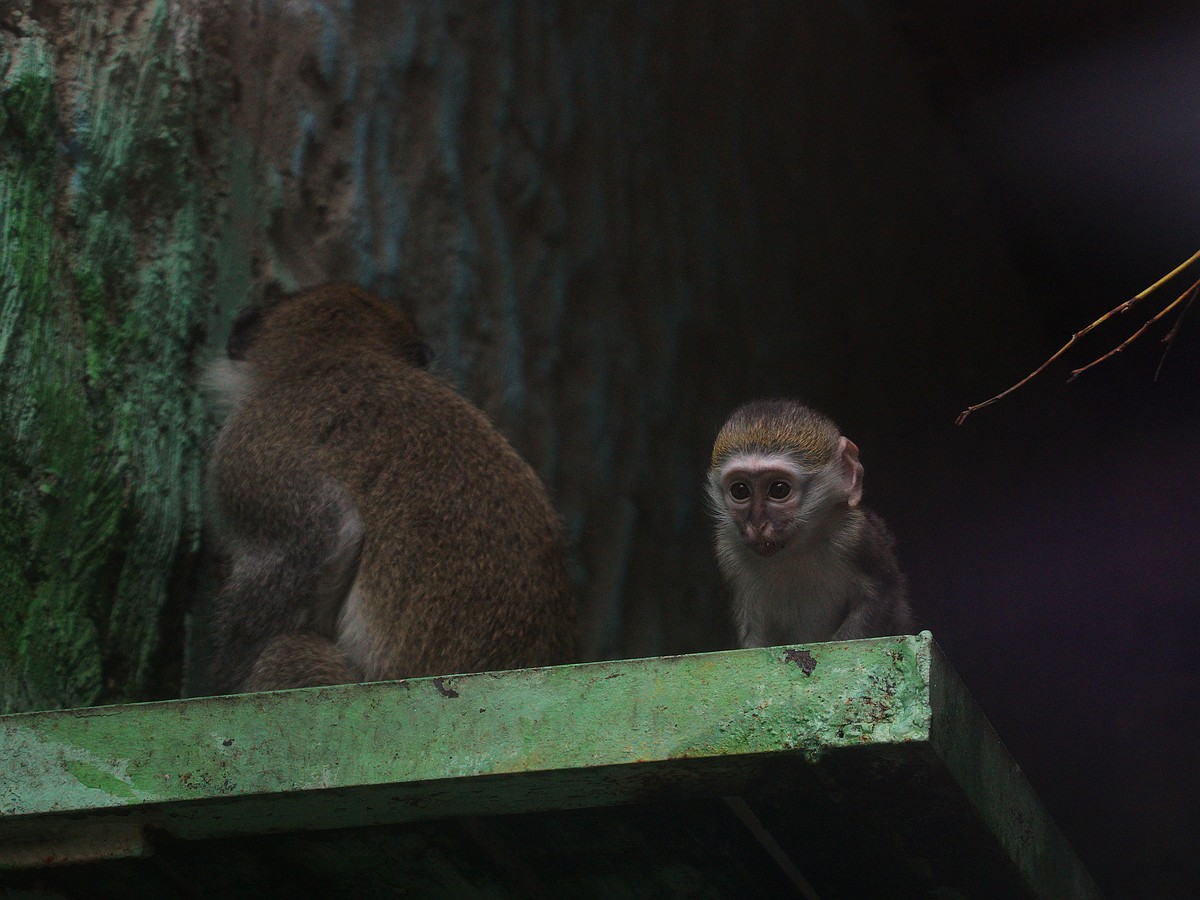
[[463, 564]]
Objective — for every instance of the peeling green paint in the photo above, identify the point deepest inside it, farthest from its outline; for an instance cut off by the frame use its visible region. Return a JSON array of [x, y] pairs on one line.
[[659, 710], [885, 718], [95, 777]]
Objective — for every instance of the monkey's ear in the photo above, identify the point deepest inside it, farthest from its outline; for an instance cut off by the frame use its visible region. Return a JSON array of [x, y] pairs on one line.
[[243, 333], [417, 353], [852, 470]]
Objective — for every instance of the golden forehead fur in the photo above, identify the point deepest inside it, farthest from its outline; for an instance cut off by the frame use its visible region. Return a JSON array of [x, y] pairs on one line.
[[776, 426]]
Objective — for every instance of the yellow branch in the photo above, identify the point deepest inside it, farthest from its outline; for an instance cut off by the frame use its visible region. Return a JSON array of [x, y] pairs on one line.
[[1189, 295]]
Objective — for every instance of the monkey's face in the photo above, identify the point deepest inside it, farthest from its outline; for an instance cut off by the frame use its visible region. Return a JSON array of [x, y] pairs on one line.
[[764, 497]]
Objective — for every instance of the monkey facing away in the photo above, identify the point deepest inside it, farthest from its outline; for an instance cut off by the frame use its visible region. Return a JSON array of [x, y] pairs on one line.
[[803, 560], [376, 524]]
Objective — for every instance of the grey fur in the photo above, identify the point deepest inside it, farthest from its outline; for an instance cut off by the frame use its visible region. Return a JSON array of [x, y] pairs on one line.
[[834, 575]]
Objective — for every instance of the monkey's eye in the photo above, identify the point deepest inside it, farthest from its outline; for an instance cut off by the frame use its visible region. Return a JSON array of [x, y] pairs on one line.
[[778, 490], [739, 490]]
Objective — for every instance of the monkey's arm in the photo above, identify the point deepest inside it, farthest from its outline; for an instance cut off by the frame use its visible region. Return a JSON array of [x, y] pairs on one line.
[[748, 618], [878, 603], [294, 542]]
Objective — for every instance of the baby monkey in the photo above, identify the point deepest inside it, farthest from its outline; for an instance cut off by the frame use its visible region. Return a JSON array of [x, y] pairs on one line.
[[803, 560]]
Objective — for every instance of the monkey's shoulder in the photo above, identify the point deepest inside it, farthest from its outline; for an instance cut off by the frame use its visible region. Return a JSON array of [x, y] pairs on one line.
[[385, 430], [875, 550]]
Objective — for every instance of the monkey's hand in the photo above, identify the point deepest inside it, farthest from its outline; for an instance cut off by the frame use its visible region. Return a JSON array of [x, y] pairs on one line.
[[299, 660]]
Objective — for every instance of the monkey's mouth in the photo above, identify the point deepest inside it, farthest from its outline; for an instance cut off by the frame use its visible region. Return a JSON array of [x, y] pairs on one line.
[[766, 548]]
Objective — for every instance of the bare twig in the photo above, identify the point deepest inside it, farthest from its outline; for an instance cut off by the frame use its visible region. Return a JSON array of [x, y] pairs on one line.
[[1123, 308], [1185, 298], [1075, 373], [1169, 340]]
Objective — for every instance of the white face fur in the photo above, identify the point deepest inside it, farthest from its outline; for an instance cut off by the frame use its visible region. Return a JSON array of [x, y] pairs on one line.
[[772, 499], [226, 382]]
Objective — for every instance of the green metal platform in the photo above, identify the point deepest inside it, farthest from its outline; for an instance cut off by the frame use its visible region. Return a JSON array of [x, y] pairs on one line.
[[856, 769]]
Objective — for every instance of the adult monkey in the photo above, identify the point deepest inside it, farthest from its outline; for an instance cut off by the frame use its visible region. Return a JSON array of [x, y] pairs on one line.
[[377, 525]]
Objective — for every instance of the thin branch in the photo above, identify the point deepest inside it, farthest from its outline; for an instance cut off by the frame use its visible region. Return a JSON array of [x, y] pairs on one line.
[[1118, 310], [1175, 271], [1169, 340], [1075, 373]]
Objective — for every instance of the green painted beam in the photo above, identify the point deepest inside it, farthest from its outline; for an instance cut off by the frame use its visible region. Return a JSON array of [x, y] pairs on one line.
[[878, 736]]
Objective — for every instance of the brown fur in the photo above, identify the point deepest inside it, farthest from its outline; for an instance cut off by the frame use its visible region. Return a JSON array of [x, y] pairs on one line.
[[776, 426], [298, 660], [369, 506]]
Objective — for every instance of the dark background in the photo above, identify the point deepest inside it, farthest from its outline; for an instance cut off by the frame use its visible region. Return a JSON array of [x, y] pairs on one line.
[[1058, 563], [614, 221]]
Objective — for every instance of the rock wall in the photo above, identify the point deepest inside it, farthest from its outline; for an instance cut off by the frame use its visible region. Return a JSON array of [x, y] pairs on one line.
[[613, 221]]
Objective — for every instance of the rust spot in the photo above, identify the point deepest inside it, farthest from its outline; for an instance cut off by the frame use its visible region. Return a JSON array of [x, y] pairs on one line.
[[440, 684], [228, 742], [802, 658]]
